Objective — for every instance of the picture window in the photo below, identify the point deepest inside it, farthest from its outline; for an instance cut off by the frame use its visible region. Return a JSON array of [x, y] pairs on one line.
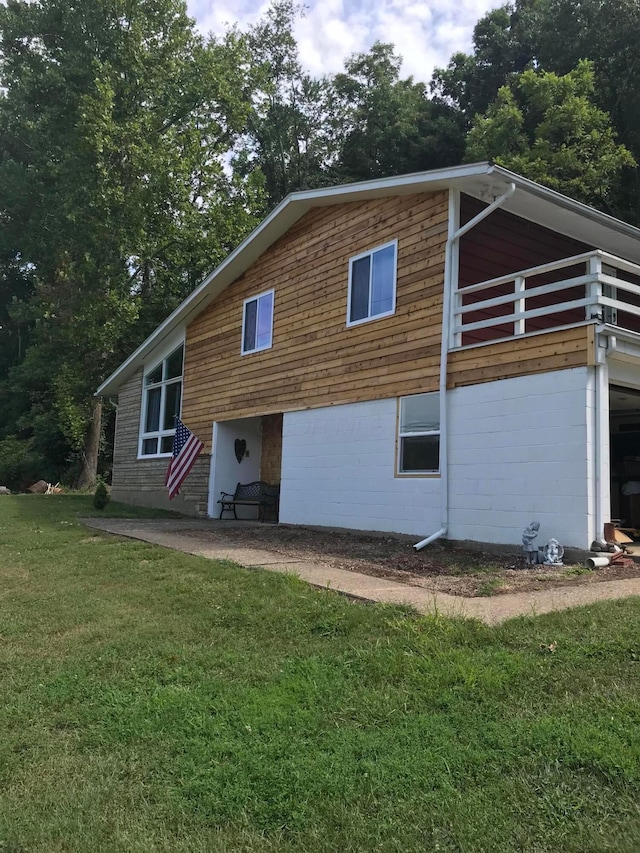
[[162, 398]]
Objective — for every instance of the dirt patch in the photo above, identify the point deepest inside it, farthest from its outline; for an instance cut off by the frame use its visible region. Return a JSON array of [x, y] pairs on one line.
[[438, 567]]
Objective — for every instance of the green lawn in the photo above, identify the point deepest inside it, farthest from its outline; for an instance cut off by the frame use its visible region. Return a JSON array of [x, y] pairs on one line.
[[154, 701]]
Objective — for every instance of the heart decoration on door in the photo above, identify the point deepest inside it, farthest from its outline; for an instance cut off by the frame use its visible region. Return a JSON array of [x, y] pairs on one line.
[[240, 448]]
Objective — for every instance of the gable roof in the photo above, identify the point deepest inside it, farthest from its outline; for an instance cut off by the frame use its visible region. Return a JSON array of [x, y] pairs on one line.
[[485, 181]]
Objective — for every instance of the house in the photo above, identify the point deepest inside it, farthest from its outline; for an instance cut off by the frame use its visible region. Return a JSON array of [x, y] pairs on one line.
[[449, 353]]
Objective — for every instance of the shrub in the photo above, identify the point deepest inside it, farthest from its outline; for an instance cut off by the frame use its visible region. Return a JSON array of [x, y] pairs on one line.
[[21, 465], [101, 496]]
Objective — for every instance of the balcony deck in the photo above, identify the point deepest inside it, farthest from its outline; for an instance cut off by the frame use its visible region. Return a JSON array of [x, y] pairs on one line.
[[594, 286]]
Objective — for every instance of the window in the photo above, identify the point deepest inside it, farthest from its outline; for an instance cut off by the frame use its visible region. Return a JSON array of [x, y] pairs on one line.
[[419, 434], [257, 323], [372, 284], [162, 395]]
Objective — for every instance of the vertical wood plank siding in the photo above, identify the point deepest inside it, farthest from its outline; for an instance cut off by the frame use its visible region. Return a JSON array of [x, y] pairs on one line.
[[315, 359], [141, 481], [502, 244], [271, 451]]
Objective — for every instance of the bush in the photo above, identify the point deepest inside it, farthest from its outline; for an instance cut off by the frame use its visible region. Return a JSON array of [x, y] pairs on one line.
[[101, 496], [21, 465]]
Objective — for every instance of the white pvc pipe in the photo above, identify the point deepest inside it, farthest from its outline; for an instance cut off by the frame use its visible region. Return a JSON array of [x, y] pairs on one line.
[[430, 539], [449, 282], [598, 562]]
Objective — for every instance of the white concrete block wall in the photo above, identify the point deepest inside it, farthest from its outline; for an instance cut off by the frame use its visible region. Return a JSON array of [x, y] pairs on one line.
[[521, 450], [338, 467], [226, 471]]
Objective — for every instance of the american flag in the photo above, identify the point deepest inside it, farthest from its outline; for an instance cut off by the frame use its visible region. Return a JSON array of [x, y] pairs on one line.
[[186, 449]]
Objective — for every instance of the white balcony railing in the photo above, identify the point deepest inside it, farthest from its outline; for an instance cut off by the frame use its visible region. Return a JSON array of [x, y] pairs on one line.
[[594, 285]]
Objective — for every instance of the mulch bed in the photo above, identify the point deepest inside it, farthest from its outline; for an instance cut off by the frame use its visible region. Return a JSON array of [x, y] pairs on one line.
[[438, 566]]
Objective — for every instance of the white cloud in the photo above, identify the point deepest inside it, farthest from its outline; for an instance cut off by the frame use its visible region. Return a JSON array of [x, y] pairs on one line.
[[426, 34]]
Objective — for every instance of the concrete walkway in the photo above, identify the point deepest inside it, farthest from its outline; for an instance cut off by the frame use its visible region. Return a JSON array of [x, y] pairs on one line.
[[174, 534]]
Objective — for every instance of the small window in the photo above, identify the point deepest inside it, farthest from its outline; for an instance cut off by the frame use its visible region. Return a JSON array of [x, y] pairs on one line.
[[372, 284], [162, 396], [257, 323], [419, 434]]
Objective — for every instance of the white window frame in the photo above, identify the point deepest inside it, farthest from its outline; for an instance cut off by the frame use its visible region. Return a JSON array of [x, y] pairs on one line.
[[160, 433], [415, 434], [257, 299], [370, 253]]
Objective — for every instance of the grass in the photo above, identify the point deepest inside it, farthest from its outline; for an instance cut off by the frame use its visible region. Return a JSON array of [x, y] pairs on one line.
[[154, 701], [489, 587]]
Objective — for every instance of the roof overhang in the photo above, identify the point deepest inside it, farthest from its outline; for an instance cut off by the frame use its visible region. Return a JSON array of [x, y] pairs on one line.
[[482, 180]]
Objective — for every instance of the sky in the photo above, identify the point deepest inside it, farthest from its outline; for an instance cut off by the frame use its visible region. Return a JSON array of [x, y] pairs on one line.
[[425, 32]]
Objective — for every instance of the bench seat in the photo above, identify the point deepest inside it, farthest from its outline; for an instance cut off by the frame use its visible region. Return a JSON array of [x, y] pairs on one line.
[[262, 495]]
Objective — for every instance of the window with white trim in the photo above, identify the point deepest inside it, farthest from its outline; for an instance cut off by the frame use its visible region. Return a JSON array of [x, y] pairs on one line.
[[162, 395], [419, 434], [257, 323], [372, 284]]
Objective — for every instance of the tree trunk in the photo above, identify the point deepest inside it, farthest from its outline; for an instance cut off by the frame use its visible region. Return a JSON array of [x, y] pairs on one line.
[[88, 475]]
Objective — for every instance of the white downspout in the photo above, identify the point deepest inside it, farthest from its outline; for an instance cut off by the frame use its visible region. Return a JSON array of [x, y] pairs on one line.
[[601, 423], [597, 453], [450, 281]]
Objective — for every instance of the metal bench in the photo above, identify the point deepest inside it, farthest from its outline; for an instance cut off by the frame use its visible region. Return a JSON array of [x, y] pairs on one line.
[[259, 494]]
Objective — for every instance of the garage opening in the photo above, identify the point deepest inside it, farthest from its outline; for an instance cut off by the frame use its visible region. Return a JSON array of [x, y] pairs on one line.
[[624, 413]]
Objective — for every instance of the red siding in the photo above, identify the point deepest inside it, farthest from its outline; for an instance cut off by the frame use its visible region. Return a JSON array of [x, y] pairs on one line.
[[626, 320], [502, 244]]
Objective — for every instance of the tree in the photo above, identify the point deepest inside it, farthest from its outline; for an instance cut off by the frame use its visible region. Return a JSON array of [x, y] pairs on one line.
[[553, 36], [607, 32], [288, 139], [547, 127], [115, 122], [388, 126], [502, 46]]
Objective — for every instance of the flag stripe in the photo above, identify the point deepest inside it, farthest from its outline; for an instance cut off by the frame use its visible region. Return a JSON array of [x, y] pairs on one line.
[[186, 449], [183, 464], [179, 473]]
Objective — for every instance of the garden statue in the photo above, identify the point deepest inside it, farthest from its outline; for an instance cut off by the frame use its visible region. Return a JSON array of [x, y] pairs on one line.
[[553, 553], [529, 550]]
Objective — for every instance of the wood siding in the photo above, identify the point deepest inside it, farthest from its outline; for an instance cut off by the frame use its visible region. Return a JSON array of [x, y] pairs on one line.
[[315, 359], [141, 481], [271, 450], [502, 244], [541, 353]]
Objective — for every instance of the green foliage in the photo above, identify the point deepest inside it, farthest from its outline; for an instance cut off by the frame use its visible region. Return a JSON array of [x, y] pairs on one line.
[[386, 125], [20, 464], [364, 123], [555, 36], [101, 496], [189, 705], [288, 143], [548, 128], [502, 46], [114, 128]]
